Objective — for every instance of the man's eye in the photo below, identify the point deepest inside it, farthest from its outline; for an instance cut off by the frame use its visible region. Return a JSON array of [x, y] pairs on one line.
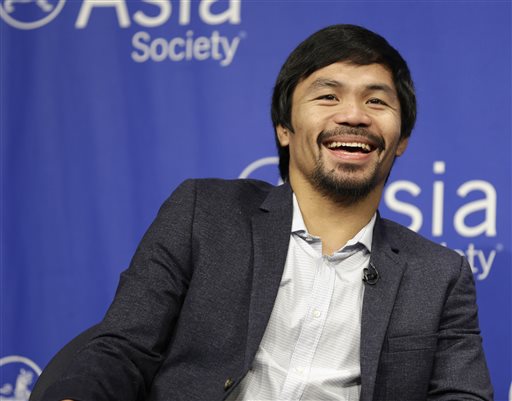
[[376, 101], [327, 97]]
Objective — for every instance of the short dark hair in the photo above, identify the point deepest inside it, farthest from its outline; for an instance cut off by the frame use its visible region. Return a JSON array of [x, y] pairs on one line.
[[349, 43]]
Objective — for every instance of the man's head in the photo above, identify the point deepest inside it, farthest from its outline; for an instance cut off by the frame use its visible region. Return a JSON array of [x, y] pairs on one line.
[[343, 46]]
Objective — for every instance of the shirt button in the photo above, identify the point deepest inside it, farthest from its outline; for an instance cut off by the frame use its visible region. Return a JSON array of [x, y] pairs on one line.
[[317, 313], [299, 370]]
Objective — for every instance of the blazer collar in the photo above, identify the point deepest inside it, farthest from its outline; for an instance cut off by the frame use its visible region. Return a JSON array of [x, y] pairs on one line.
[[271, 226], [278, 199], [378, 303]]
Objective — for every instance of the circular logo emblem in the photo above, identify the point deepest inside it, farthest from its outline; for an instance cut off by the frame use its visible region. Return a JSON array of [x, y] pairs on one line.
[[30, 14], [18, 376], [259, 169]]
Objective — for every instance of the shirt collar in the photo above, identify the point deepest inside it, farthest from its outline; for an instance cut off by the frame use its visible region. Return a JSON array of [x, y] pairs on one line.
[[364, 236]]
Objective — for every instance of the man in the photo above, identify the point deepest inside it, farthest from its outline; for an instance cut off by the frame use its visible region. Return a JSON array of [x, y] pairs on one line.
[[244, 291]]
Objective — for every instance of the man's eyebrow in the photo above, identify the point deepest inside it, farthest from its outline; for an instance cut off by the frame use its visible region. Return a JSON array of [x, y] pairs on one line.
[[325, 82], [333, 83], [382, 87]]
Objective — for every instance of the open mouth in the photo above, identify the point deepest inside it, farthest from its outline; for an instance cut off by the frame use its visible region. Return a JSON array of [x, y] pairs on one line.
[[351, 147]]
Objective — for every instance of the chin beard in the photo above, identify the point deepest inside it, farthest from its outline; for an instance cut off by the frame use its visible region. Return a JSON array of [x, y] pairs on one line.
[[337, 184], [340, 188]]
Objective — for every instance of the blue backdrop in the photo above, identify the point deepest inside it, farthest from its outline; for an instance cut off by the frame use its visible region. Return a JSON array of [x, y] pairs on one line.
[[107, 105]]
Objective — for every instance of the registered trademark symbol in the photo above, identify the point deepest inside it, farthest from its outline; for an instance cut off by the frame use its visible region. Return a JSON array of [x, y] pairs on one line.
[[242, 34], [499, 247]]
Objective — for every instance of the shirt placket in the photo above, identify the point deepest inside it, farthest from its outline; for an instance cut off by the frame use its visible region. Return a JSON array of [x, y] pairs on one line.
[[311, 331]]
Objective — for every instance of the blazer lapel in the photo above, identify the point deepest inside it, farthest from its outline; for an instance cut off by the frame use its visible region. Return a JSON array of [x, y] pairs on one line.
[[378, 303], [271, 227]]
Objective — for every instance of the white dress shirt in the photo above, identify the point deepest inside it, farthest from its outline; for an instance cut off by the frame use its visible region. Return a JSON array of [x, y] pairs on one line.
[[310, 349]]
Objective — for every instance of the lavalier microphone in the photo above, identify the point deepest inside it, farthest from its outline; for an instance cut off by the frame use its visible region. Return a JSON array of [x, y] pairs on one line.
[[370, 275]]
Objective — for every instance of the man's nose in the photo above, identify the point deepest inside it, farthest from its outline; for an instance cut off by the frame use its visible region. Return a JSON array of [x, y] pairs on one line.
[[352, 114]]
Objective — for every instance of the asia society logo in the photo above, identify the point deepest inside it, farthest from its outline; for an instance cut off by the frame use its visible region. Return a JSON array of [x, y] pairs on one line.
[[183, 45], [30, 14], [475, 216], [18, 376]]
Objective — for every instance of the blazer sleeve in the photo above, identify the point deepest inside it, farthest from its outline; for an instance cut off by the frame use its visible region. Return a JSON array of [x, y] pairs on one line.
[[120, 362], [460, 370]]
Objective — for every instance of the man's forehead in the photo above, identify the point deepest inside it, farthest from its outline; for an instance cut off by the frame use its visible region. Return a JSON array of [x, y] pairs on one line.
[[347, 73]]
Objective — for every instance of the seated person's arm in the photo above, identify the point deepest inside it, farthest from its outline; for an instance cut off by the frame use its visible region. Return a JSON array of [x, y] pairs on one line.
[[121, 359]]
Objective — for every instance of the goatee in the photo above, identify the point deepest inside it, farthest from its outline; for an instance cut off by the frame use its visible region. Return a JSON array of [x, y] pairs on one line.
[[337, 184], [339, 189]]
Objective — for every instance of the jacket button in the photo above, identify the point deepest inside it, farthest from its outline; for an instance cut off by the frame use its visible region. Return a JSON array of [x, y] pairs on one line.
[[228, 383]]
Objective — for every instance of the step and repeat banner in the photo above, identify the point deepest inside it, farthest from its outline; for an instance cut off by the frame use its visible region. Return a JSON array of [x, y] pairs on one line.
[[107, 105]]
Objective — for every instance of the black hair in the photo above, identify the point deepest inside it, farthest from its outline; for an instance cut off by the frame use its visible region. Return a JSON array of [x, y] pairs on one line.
[[349, 43]]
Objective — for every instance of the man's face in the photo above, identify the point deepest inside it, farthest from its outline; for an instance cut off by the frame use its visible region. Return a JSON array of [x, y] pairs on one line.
[[346, 123]]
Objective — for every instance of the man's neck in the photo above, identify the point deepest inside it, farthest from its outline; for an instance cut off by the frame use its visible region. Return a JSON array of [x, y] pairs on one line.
[[334, 222]]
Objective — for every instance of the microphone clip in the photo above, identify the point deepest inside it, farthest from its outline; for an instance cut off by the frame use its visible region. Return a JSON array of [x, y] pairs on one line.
[[370, 275]]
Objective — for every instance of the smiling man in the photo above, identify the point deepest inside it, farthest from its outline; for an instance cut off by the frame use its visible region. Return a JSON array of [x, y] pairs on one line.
[[245, 291]]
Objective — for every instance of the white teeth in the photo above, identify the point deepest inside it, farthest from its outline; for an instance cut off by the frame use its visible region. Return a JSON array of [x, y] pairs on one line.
[[364, 146]]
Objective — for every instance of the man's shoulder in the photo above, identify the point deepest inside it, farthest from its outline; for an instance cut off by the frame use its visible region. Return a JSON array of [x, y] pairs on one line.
[[233, 186], [216, 191], [238, 184]]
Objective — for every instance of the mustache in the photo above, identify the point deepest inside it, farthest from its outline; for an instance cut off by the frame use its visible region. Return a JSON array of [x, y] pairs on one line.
[[362, 132]]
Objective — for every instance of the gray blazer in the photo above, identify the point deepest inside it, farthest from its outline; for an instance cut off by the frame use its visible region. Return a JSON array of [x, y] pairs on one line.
[[191, 309]]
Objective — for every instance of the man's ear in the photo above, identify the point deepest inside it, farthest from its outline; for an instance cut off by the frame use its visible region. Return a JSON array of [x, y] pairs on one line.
[[283, 135], [402, 145]]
